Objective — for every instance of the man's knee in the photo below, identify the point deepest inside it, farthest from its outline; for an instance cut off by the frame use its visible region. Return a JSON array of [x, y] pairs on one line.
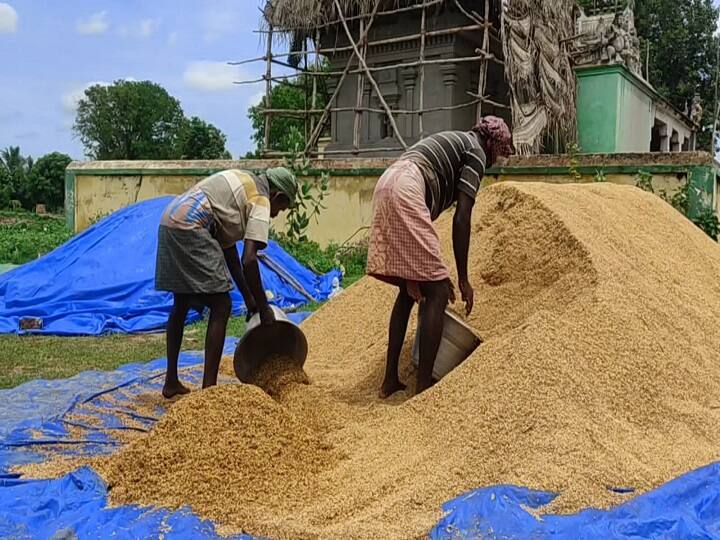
[[220, 305], [436, 293], [181, 304], [404, 297]]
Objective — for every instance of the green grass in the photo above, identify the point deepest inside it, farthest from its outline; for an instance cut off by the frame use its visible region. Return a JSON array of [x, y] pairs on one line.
[[25, 236], [25, 358]]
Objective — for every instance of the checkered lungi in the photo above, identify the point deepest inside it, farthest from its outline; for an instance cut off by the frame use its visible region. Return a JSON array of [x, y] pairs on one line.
[[403, 241]]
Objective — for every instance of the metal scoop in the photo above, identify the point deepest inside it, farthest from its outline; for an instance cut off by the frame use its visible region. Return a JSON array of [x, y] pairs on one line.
[[261, 342]]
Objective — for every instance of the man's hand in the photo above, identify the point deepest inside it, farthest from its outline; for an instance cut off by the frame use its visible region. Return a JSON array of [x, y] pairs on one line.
[[468, 295], [451, 291], [413, 290], [266, 315]]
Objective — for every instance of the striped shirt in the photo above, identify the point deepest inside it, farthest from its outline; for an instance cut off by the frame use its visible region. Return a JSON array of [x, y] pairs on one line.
[[233, 204], [188, 211], [451, 161]]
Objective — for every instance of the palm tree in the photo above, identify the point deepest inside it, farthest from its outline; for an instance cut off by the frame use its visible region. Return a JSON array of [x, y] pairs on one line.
[[13, 161], [15, 169]]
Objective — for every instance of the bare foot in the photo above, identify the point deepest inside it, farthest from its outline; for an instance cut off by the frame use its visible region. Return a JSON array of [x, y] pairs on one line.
[[172, 389], [388, 388]]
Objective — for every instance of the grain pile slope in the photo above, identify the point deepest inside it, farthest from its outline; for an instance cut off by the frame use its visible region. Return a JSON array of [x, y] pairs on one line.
[[599, 307]]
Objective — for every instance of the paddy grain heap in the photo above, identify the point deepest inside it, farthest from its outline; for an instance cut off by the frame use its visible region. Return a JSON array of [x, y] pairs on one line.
[[598, 306]]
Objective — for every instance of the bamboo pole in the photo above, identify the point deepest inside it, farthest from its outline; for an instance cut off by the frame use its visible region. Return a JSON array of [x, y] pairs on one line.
[[313, 103], [369, 76], [360, 90], [485, 99], [410, 37], [305, 94], [300, 113], [395, 40], [482, 79], [268, 91], [475, 17], [414, 63], [321, 123], [421, 104]]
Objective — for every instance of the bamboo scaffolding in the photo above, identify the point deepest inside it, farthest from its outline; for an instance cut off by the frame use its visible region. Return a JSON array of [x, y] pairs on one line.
[[299, 114], [370, 78], [485, 99], [479, 20], [321, 123], [415, 63], [316, 119], [387, 41], [268, 91]]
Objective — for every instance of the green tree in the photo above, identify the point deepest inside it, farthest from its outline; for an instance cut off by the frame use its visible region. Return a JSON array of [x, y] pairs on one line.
[[683, 49], [129, 120], [46, 181], [5, 192], [16, 169], [287, 134], [200, 140]]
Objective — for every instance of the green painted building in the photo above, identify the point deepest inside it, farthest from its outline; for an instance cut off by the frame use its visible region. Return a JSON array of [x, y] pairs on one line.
[[618, 112]]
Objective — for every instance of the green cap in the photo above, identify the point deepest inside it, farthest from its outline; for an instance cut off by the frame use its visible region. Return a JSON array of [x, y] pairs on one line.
[[283, 180]]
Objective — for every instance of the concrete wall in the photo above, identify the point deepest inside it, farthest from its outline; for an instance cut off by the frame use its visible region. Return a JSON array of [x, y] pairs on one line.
[[635, 118], [95, 189]]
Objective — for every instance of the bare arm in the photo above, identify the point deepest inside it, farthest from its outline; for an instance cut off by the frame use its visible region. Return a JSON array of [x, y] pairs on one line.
[[251, 271], [232, 259], [461, 246]]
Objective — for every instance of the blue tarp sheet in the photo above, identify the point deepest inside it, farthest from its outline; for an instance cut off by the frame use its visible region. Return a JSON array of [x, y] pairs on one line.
[[102, 281], [38, 417]]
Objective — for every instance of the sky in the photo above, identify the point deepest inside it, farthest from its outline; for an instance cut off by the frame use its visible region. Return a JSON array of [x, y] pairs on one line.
[[52, 50]]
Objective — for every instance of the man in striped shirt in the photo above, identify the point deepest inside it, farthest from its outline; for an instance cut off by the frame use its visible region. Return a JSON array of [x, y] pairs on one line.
[[404, 251], [197, 256]]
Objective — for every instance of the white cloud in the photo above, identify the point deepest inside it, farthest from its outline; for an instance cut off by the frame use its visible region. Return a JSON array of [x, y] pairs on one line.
[[211, 76], [71, 99], [148, 27], [219, 23], [142, 29], [8, 19], [95, 24]]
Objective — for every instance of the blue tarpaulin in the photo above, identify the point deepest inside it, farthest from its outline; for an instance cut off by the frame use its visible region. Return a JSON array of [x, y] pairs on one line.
[[37, 417], [102, 281], [686, 508]]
